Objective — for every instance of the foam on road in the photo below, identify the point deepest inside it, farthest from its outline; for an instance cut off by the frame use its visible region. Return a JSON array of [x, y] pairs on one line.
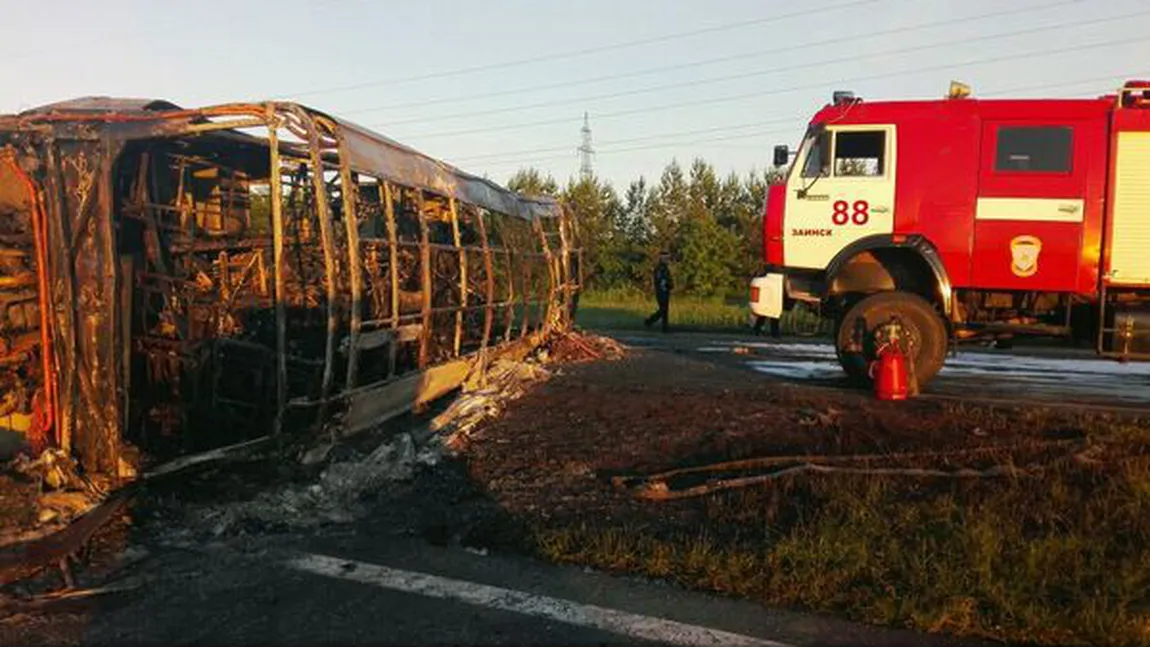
[[1036, 376]]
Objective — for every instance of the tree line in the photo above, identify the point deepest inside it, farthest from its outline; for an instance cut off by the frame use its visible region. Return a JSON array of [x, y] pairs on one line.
[[711, 226]]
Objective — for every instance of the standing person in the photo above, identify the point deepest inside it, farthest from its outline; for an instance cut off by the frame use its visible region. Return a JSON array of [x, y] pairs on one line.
[[759, 321], [663, 287]]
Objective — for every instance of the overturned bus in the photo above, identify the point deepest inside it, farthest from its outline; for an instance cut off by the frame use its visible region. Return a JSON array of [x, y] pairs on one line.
[[175, 279]]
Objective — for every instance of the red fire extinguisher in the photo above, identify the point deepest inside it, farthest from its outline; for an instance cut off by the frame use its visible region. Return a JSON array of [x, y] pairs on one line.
[[889, 370]]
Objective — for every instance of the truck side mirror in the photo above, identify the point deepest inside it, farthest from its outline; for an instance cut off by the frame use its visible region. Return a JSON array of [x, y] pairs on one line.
[[782, 155]]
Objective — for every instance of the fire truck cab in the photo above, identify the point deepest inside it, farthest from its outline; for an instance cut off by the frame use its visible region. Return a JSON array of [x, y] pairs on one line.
[[966, 219]]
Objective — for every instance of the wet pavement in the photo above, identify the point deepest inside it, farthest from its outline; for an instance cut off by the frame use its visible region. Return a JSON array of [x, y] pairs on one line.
[[1039, 375]]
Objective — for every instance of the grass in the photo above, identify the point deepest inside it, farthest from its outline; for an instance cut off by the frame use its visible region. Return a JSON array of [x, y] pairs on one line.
[[626, 309], [1059, 558]]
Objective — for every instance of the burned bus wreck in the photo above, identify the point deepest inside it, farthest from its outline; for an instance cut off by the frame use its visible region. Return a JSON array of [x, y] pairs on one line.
[[175, 279]]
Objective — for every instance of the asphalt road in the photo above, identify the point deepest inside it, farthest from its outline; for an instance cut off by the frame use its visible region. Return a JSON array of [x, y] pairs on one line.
[[359, 590], [1032, 375]]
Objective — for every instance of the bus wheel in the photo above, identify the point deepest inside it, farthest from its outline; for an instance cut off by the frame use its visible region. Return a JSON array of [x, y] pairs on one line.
[[926, 337]]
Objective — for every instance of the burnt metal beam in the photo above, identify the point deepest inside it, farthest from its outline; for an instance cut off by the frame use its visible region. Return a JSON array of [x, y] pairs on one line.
[[276, 204]]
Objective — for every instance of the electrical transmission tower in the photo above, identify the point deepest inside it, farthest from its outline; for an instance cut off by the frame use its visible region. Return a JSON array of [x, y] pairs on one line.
[[586, 151]]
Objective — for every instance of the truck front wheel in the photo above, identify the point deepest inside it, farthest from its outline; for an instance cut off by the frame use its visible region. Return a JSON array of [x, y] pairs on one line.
[[925, 334]]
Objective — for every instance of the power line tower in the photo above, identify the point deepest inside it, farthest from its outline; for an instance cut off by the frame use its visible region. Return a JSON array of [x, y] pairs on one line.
[[586, 151]]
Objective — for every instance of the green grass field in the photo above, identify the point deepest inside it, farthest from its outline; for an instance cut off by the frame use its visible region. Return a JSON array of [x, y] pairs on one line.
[[1059, 558], [626, 310]]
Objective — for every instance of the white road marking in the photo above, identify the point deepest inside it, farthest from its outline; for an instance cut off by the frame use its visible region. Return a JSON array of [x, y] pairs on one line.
[[585, 615]]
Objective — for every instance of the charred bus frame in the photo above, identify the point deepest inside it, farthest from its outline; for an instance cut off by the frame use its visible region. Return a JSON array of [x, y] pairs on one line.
[[182, 278]]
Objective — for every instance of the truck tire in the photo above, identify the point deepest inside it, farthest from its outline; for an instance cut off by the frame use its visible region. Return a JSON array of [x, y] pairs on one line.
[[854, 334]]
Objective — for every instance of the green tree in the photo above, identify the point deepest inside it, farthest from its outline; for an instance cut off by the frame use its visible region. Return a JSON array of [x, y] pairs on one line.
[[633, 227], [667, 206], [634, 219], [532, 181], [712, 225], [706, 252], [595, 208], [703, 191]]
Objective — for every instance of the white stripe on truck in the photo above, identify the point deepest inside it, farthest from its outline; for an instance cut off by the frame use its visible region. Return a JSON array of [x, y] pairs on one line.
[[1030, 209]]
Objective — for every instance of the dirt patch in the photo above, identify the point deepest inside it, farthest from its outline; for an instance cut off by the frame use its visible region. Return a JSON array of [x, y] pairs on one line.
[[972, 556], [554, 453]]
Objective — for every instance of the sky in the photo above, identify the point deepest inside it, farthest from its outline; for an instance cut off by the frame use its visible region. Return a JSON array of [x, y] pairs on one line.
[[497, 85]]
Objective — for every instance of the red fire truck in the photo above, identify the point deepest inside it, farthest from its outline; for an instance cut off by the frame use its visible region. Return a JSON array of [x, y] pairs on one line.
[[966, 219]]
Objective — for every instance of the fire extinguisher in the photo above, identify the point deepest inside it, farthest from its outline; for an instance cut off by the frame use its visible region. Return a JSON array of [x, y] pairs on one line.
[[889, 370]]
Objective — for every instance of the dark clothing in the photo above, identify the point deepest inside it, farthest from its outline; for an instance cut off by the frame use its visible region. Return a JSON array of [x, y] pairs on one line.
[[663, 282], [775, 332], [664, 301], [663, 285]]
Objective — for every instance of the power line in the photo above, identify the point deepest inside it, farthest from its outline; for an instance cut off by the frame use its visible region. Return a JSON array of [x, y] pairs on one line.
[[754, 95], [1063, 84], [747, 75], [755, 124], [589, 50], [741, 135], [628, 149], [712, 61], [760, 123]]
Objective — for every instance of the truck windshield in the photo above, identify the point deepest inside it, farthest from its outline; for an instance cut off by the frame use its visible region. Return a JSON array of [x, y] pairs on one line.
[[817, 148]]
